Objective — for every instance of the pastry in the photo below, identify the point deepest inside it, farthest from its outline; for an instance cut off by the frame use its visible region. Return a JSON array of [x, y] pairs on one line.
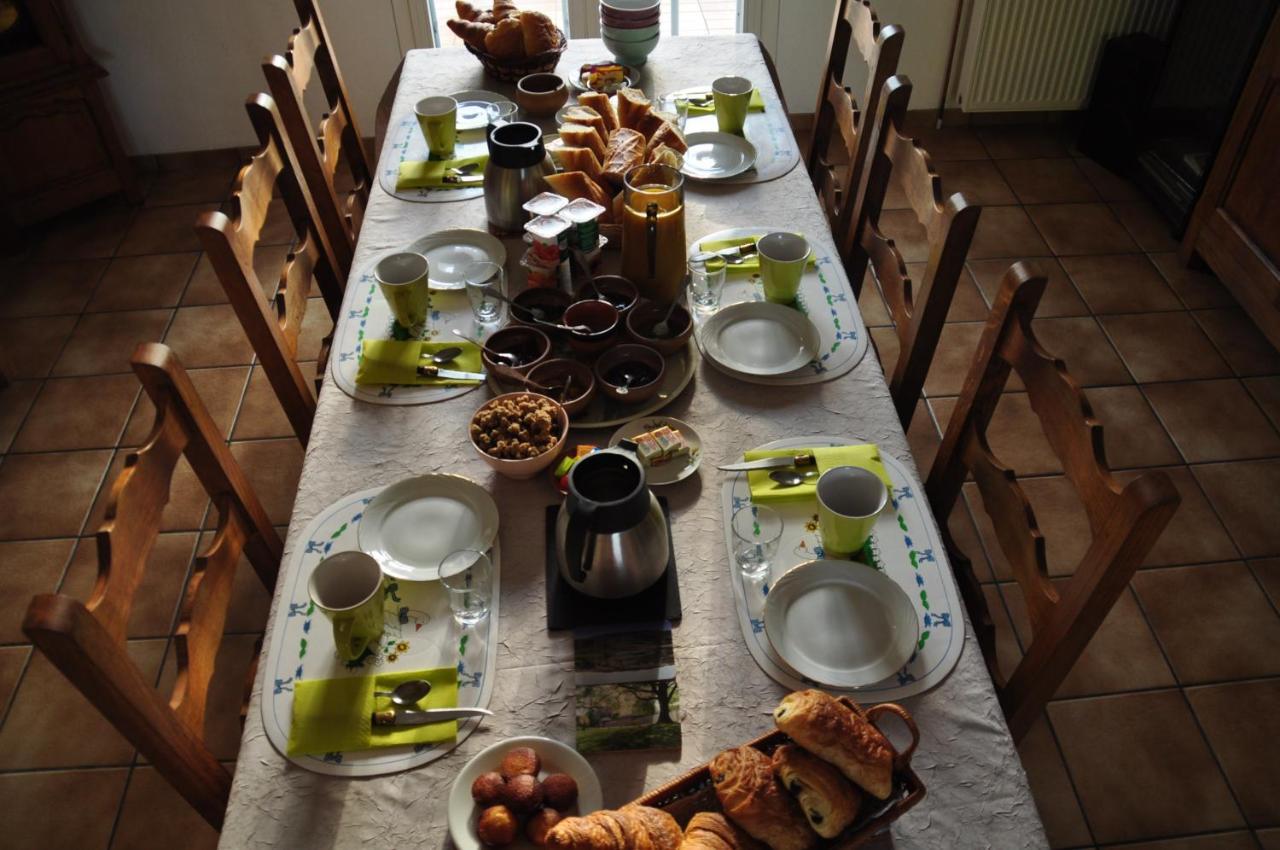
[[520, 760], [524, 793], [472, 32], [503, 9], [489, 789], [664, 155], [587, 117], [629, 828], [663, 830], [506, 41], [582, 136], [635, 835], [579, 159], [713, 831], [668, 135], [829, 802], [750, 795], [834, 733], [559, 791], [497, 826], [603, 105], [625, 151], [466, 10], [540, 33], [540, 824], [632, 107], [576, 184]]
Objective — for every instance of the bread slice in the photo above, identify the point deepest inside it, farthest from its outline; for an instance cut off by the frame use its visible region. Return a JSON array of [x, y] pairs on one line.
[[669, 136], [582, 136], [626, 150], [603, 105], [576, 184], [587, 117], [578, 159], [633, 106], [664, 155]]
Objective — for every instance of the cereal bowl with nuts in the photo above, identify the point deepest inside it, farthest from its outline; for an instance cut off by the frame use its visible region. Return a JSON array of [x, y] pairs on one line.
[[519, 434]]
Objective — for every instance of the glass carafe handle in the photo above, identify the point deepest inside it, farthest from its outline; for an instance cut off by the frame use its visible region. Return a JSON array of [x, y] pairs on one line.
[[651, 217]]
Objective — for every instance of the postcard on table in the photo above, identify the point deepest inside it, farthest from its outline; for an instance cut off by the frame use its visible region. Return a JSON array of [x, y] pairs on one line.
[[627, 697]]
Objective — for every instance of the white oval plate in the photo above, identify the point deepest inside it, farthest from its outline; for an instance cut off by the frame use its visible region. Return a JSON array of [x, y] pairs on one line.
[[717, 156], [449, 252], [673, 470], [759, 338], [473, 107], [412, 525], [840, 624], [555, 757]]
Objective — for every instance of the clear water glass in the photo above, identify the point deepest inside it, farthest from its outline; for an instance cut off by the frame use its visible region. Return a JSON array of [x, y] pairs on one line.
[[677, 106], [467, 576], [483, 280], [706, 281], [757, 531], [502, 112]]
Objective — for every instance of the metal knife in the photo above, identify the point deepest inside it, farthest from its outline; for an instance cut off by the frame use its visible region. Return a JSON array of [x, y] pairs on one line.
[[416, 717], [451, 374], [771, 463]]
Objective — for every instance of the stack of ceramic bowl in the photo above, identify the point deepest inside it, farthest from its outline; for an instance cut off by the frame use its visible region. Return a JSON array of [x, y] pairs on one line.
[[630, 28]]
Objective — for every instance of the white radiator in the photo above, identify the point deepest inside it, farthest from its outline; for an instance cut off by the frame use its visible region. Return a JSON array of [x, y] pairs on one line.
[[1023, 55]]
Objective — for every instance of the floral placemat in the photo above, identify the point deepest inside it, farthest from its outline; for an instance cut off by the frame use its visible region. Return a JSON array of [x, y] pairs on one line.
[[405, 143], [777, 151]]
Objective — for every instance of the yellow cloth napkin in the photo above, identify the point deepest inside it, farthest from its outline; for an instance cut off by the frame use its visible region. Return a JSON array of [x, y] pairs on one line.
[[764, 489], [429, 174], [756, 105], [752, 263], [334, 715], [389, 361]]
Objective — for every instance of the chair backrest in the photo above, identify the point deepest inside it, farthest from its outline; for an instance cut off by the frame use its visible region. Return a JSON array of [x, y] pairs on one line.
[[837, 111], [86, 641], [918, 312], [320, 151], [230, 240], [1125, 522]]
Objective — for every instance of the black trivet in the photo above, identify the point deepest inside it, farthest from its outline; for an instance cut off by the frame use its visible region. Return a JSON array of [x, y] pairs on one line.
[[567, 608]]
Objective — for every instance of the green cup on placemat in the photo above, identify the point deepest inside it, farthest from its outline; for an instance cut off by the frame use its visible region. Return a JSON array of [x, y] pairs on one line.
[[347, 587], [438, 118], [402, 278], [732, 96], [850, 499], [783, 257]]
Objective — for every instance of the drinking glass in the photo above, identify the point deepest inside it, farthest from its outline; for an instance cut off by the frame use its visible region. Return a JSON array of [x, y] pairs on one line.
[[483, 281], [467, 577], [502, 112], [757, 531], [706, 281], [677, 105]]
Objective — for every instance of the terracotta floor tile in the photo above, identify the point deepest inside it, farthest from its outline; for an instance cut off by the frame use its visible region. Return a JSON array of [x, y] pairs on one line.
[[1244, 494], [47, 495], [155, 815], [1269, 838], [1242, 722], [15, 401], [1120, 283], [187, 498], [1164, 347], [1005, 232], [907, 234], [159, 590], [13, 659], [885, 341], [95, 231], [1266, 392], [1060, 295], [953, 358], [25, 797], [1061, 519], [273, 467], [143, 283], [871, 304], [1267, 572], [1195, 412], [209, 336], [1141, 768], [1132, 433], [32, 346], [1197, 289], [923, 437], [47, 705], [1008, 652], [30, 567], [226, 693], [261, 416], [78, 413], [191, 186], [1240, 341], [205, 288], [250, 601], [1047, 181], [949, 143], [1080, 343], [220, 390], [1015, 434], [1055, 798], [1147, 227], [316, 325], [965, 535], [978, 180], [102, 343], [51, 289], [1239, 840], [1018, 141], [1195, 535], [1109, 185], [967, 303], [1214, 621], [1081, 229], [163, 230]]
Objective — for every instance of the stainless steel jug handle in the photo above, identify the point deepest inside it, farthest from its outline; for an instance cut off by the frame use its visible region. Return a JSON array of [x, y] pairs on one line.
[[577, 537]]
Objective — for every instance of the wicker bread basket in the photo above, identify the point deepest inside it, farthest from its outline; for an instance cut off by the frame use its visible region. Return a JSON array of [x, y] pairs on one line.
[[511, 71], [687, 795]]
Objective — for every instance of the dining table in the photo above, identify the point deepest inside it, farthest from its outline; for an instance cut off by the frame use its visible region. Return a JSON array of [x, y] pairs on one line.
[[977, 791]]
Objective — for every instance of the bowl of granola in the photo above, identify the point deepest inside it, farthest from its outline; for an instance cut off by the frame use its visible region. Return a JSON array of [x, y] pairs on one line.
[[519, 434]]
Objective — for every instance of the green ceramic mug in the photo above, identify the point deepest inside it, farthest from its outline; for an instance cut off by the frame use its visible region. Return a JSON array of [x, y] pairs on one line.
[[402, 277], [850, 499], [347, 587], [732, 96], [438, 118], [783, 258]]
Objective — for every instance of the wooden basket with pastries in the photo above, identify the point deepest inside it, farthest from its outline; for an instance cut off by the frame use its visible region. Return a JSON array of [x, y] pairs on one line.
[[510, 43], [826, 779]]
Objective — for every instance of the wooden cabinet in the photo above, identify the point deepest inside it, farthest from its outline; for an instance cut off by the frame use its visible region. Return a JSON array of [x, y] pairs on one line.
[[1235, 227]]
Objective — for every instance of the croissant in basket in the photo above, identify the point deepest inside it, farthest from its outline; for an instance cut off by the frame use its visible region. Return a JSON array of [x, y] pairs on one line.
[[629, 828]]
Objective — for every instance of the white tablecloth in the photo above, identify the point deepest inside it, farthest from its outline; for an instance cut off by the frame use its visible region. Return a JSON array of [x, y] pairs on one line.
[[977, 791]]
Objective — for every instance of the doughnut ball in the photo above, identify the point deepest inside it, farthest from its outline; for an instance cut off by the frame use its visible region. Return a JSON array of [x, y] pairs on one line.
[[497, 826], [520, 761], [489, 789], [540, 824], [524, 793], [559, 791]]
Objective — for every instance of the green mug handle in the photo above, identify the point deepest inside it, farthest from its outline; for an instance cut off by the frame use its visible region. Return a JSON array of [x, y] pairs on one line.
[[343, 641]]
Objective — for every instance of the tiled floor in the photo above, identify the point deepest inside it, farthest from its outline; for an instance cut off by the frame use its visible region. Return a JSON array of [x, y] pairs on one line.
[[72, 308], [1166, 732]]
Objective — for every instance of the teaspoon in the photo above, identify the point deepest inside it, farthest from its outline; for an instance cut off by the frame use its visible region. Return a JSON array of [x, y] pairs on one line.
[[497, 355], [790, 477], [446, 355], [407, 694]]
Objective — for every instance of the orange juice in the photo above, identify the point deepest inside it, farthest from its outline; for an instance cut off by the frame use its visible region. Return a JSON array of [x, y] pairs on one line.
[[653, 238]]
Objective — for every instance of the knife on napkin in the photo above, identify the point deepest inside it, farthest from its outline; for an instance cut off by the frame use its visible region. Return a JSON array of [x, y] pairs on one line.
[[417, 717], [451, 374], [770, 463]]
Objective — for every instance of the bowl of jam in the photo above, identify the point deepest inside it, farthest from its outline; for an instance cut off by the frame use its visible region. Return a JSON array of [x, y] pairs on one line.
[[630, 373], [571, 383], [642, 319], [602, 320], [550, 305], [617, 290], [529, 347]]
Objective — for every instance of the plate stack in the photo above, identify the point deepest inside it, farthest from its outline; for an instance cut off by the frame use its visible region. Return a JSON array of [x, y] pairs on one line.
[[630, 28]]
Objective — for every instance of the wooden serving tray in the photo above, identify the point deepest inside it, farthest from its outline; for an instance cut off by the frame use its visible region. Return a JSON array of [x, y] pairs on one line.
[[687, 795]]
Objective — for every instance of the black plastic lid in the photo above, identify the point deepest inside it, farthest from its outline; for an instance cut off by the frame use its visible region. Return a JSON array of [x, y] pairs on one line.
[[516, 145]]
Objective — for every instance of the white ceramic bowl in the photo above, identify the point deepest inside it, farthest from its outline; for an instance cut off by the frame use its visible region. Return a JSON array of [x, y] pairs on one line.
[[526, 467], [642, 34], [630, 52]]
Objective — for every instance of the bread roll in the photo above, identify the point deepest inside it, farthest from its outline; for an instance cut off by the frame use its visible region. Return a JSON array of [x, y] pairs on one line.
[[578, 159], [471, 32], [603, 105], [576, 184], [540, 33], [506, 41], [825, 727], [625, 151], [587, 117], [750, 795], [668, 135], [713, 831], [466, 10], [582, 136], [633, 106], [826, 798]]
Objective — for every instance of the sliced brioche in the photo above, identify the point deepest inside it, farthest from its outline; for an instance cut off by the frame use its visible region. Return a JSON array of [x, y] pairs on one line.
[[576, 184], [582, 136], [579, 159], [603, 105], [668, 135], [625, 151], [633, 106], [587, 117], [664, 155]]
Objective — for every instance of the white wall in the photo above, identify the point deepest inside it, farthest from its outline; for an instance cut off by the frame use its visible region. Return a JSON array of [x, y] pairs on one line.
[[180, 70]]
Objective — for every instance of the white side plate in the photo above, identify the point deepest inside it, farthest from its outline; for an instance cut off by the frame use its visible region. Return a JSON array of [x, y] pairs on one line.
[[449, 252], [717, 156], [759, 338], [674, 470]]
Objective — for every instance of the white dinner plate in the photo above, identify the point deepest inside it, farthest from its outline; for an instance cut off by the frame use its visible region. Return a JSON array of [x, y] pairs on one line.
[[759, 338], [555, 758], [717, 156], [412, 525], [473, 107], [677, 469], [449, 252], [840, 624]]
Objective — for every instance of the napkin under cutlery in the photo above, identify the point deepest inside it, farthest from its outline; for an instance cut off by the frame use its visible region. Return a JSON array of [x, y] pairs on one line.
[[764, 489], [751, 263], [708, 107], [389, 361], [442, 174]]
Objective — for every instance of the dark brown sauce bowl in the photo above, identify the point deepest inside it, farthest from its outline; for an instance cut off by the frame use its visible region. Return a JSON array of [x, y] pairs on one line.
[[555, 372], [553, 302], [603, 319], [617, 290], [531, 345], [646, 314], [630, 353]]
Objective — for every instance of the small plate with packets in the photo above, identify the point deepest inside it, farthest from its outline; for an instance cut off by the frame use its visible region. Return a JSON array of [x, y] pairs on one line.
[[669, 450], [605, 77]]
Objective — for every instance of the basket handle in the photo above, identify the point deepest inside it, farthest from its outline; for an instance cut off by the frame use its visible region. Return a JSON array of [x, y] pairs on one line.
[[902, 759]]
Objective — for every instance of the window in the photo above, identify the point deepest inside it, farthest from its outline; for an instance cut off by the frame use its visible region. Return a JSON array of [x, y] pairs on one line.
[[700, 17], [679, 17]]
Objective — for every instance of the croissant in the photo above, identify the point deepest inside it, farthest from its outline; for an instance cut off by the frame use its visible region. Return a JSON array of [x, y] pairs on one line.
[[506, 41], [471, 32], [829, 802], [503, 9], [751, 796], [540, 33], [832, 732], [466, 10], [663, 830], [713, 831], [629, 828]]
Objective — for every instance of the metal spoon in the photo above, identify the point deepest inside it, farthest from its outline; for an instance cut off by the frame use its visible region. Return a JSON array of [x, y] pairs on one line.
[[407, 694], [791, 477], [497, 355], [509, 374], [662, 330], [446, 355], [535, 313]]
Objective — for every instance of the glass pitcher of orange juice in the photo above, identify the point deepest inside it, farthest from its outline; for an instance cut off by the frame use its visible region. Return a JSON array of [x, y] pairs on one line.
[[653, 242]]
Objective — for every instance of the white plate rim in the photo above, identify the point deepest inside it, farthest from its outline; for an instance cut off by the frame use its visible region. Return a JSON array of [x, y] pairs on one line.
[[691, 434], [486, 242], [726, 139], [461, 808], [481, 502], [708, 335], [784, 588]]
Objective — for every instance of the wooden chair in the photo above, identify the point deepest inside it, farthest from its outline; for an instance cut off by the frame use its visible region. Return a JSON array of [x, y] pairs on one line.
[[86, 641], [321, 150], [837, 111], [1124, 521], [230, 240], [918, 313]]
